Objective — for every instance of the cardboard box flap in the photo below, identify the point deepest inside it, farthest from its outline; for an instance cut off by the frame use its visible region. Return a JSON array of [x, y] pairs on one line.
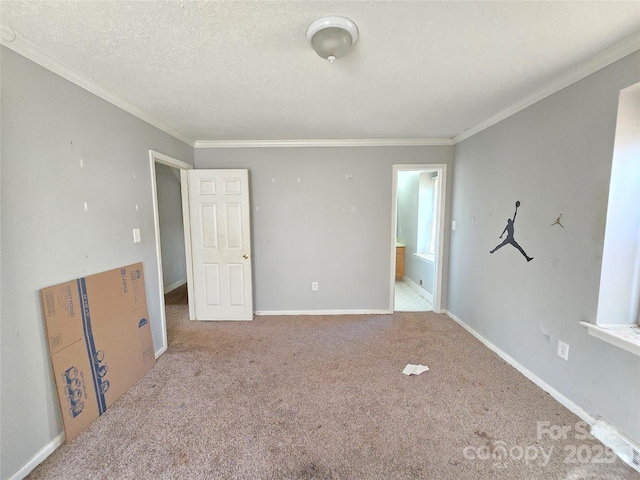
[[100, 341], [106, 297]]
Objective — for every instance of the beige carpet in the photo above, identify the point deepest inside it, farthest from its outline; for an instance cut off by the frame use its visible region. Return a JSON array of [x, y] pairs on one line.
[[322, 397]]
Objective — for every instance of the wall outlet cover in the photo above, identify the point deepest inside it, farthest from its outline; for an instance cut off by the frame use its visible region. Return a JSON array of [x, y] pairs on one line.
[[563, 350]]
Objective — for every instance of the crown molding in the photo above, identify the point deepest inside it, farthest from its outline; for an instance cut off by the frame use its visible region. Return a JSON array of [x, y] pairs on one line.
[[15, 42], [330, 142], [25, 48], [8, 34], [598, 62]]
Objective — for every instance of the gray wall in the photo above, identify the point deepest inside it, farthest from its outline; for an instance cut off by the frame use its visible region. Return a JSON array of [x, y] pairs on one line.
[[407, 225], [174, 267], [326, 227], [555, 157], [48, 125]]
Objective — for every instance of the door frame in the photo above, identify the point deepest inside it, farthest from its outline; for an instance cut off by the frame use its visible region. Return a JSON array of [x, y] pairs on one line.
[[441, 168], [183, 167]]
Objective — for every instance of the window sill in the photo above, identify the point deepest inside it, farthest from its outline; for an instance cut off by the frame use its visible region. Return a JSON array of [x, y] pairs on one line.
[[426, 257], [626, 337]]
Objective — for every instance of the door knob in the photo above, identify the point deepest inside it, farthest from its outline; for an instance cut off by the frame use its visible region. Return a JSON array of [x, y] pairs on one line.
[[245, 256]]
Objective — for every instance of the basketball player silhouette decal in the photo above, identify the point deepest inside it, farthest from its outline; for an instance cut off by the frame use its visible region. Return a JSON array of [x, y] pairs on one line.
[[510, 240]]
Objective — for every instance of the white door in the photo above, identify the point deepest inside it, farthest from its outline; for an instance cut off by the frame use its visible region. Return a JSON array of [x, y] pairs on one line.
[[220, 244]]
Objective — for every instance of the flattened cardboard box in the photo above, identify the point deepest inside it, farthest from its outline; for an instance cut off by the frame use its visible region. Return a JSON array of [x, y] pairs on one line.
[[99, 340]]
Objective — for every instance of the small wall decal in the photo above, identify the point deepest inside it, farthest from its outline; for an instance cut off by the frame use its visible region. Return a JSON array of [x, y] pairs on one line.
[[509, 229], [557, 222]]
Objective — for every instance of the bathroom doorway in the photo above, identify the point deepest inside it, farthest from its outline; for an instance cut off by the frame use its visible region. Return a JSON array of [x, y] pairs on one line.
[[417, 236]]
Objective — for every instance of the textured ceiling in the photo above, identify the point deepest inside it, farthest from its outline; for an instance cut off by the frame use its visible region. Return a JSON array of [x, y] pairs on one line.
[[237, 70]]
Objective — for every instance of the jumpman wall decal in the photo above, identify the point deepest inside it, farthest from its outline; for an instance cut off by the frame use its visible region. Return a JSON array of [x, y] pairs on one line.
[[557, 222], [510, 240]]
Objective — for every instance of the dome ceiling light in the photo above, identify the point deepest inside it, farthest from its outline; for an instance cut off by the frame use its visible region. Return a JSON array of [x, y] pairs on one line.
[[332, 37]]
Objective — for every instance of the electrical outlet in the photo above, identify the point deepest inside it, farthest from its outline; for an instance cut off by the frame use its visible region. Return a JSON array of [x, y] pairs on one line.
[[314, 286], [453, 224], [420, 282], [563, 350], [136, 235]]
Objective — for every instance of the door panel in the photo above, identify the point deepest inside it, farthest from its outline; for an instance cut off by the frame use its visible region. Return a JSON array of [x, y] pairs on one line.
[[221, 247]]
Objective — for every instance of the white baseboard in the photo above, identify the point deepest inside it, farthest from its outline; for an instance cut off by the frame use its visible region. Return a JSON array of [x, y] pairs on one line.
[[39, 457], [626, 449], [579, 411], [611, 437], [160, 351], [173, 286], [50, 447], [323, 312], [419, 289], [59, 439]]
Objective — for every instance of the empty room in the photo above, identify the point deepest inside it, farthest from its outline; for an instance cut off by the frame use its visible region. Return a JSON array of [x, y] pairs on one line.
[[320, 239]]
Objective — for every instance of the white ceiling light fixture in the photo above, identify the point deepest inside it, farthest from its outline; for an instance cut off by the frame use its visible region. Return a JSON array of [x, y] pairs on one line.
[[332, 37]]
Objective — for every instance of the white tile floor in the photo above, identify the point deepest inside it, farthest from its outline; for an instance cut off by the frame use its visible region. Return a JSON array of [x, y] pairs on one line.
[[407, 300]]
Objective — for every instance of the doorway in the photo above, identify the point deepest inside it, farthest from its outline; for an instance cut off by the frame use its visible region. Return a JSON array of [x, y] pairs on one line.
[[167, 174], [418, 206]]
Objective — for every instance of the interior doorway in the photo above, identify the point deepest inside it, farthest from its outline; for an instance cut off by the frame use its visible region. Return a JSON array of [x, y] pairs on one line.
[[419, 193], [174, 262], [167, 174]]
